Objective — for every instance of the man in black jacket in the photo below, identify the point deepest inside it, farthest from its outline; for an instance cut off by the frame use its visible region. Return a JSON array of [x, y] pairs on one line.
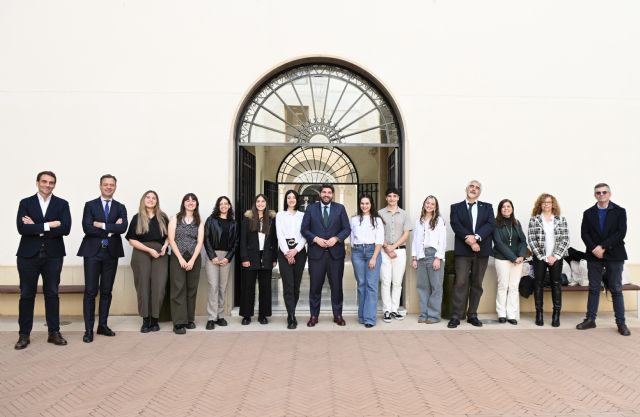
[[604, 226], [103, 221], [42, 220]]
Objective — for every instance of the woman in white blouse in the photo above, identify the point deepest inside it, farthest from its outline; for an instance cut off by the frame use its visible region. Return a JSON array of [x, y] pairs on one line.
[[292, 255], [428, 247], [367, 237]]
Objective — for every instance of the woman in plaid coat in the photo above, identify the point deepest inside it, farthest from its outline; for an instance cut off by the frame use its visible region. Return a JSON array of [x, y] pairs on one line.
[[549, 241]]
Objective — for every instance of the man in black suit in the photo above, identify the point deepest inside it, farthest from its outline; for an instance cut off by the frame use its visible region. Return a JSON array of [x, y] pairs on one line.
[[604, 226], [325, 226], [472, 222], [42, 220], [103, 221]]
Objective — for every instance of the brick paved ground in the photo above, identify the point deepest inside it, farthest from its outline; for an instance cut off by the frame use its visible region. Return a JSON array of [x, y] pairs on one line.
[[319, 372]]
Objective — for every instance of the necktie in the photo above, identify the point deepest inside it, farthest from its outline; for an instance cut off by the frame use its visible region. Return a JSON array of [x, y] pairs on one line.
[[325, 216], [470, 208], [105, 242]]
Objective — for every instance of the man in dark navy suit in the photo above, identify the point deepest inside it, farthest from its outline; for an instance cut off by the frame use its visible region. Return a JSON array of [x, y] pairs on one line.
[[42, 220], [604, 227], [325, 226], [472, 222], [103, 221]]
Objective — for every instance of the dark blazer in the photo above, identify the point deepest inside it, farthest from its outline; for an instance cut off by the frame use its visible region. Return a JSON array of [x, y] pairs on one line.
[[612, 239], [250, 245], [461, 225], [91, 243], [313, 226], [31, 241], [213, 233]]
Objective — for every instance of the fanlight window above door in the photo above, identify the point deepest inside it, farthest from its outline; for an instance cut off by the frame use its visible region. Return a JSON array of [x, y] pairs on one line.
[[317, 165], [318, 103]]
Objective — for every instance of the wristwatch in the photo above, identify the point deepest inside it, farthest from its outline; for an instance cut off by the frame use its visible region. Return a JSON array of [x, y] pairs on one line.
[[478, 238]]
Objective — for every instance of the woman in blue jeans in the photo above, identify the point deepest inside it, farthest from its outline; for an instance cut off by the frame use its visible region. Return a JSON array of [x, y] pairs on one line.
[[428, 246], [367, 237]]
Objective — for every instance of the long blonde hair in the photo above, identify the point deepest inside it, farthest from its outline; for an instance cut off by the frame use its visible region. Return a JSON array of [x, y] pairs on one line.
[[143, 219], [537, 206]]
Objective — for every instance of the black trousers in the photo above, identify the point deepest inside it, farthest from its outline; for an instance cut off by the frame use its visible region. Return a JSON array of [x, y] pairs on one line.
[[248, 279], [333, 269], [468, 283], [291, 279], [99, 275], [30, 270], [555, 273]]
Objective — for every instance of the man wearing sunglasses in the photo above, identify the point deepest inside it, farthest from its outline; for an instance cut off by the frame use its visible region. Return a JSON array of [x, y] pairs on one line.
[[604, 226]]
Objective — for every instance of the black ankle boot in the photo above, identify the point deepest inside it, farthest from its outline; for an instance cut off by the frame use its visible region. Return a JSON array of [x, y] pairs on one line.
[[153, 324], [145, 325]]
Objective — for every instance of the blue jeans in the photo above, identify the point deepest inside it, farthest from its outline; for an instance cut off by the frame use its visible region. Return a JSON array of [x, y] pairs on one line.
[[613, 270], [367, 282], [429, 285]]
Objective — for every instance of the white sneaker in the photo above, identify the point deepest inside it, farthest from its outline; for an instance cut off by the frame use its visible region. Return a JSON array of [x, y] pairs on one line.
[[386, 317], [397, 316]]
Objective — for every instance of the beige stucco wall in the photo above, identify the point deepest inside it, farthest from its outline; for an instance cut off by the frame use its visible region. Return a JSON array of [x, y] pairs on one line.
[[525, 96]]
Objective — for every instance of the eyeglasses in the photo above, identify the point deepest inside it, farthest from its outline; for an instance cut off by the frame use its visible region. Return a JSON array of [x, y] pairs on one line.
[[602, 192], [547, 202]]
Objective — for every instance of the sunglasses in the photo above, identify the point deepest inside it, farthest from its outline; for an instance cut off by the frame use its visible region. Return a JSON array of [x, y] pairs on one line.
[[602, 192]]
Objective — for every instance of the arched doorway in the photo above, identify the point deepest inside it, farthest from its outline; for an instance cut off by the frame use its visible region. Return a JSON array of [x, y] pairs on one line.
[[312, 121]]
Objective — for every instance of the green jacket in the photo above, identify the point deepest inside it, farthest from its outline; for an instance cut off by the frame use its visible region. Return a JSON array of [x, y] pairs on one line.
[[501, 247]]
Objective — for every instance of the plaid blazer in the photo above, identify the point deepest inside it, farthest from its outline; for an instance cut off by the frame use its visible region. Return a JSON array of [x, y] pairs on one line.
[[537, 238]]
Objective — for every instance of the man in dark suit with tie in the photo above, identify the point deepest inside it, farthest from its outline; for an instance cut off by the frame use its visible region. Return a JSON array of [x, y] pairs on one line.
[[42, 220], [325, 226], [604, 227], [472, 222], [103, 221]]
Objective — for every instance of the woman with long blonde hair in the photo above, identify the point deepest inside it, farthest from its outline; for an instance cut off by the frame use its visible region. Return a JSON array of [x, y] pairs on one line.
[[549, 242], [148, 236]]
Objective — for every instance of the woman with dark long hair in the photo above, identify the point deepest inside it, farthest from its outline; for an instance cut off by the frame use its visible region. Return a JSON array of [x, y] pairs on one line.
[[220, 242], [549, 242], [367, 238], [147, 235], [428, 247], [258, 254], [509, 251], [186, 236], [292, 255]]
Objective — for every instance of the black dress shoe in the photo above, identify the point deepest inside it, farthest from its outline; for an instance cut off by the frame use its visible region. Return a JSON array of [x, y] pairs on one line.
[[313, 320], [211, 325], [88, 337], [179, 329], [57, 339], [453, 323], [512, 321], [368, 325], [246, 321], [153, 324], [586, 324], [292, 325], [191, 325], [263, 320], [23, 342], [339, 320], [105, 331], [623, 330], [473, 320], [221, 322], [502, 319], [145, 325]]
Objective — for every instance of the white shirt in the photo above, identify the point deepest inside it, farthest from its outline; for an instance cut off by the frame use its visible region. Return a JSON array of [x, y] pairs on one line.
[[365, 233], [44, 205], [549, 236], [288, 227], [474, 215], [424, 237], [261, 237]]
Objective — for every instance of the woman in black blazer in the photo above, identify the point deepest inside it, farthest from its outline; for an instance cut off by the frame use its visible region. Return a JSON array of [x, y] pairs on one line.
[[258, 254]]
